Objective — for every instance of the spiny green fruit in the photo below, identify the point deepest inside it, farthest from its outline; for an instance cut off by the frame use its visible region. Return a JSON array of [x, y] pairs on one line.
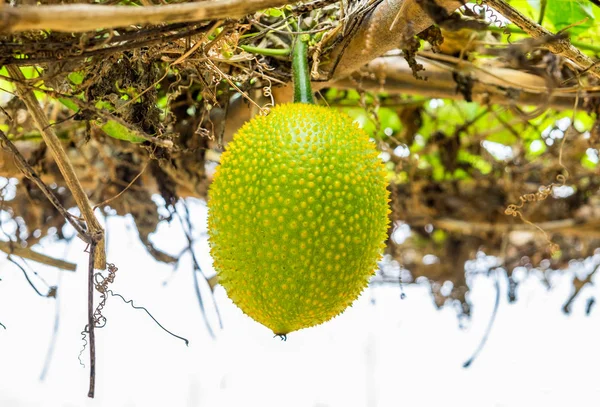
[[297, 216]]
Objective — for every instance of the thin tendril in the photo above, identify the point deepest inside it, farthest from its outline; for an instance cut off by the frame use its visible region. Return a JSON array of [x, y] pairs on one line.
[[85, 343], [130, 302]]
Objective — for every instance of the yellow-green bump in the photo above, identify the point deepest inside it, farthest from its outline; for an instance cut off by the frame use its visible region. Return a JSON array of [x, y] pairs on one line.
[[298, 215]]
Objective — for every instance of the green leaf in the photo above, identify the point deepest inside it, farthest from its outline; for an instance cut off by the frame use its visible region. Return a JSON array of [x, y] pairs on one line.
[[76, 78], [29, 72], [460, 174], [531, 8], [433, 161], [475, 161], [5, 85], [589, 161], [505, 137], [439, 236], [535, 148], [583, 121], [101, 104], [469, 110], [118, 131], [69, 104], [273, 12], [564, 13]]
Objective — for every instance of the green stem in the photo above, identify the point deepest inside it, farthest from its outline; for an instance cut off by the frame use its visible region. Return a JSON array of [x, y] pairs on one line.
[[270, 52], [300, 71]]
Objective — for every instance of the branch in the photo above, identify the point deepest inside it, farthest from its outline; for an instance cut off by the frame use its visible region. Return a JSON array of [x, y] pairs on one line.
[[90, 17], [29, 254], [91, 321], [515, 30], [29, 172], [562, 47], [65, 166], [578, 284], [490, 84], [565, 227]]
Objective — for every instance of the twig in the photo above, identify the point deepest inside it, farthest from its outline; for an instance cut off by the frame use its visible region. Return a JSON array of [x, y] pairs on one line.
[[588, 306], [489, 327], [124, 189], [510, 29], [65, 166], [196, 270], [578, 286], [394, 76], [29, 254], [561, 47], [210, 281], [53, 339], [313, 5], [187, 230], [2, 325], [88, 17], [33, 176], [26, 276], [91, 322]]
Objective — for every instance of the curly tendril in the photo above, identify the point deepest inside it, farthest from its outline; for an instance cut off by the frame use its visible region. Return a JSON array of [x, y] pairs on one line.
[[542, 194]]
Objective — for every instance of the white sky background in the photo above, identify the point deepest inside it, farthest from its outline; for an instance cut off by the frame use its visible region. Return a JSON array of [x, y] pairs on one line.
[[390, 353]]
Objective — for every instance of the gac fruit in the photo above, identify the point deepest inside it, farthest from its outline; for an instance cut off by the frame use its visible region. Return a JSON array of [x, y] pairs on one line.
[[298, 216]]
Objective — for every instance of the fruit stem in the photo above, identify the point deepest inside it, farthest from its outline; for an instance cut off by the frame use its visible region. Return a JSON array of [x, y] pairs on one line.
[[300, 71]]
